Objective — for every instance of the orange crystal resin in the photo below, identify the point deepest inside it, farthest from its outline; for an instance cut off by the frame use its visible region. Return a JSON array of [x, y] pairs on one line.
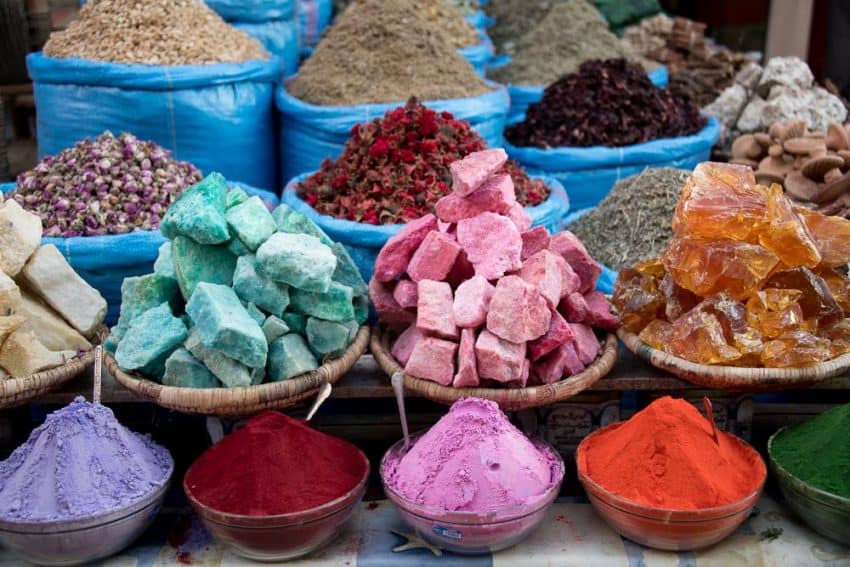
[[637, 299], [698, 336], [831, 234], [797, 348], [776, 312], [787, 236]]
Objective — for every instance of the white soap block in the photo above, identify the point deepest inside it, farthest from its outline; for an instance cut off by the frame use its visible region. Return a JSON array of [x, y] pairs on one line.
[[20, 235], [50, 328], [10, 294], [23, 354]]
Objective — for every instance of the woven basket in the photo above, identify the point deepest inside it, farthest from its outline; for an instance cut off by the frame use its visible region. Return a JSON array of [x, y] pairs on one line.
[[733, 377], [18, 391], [245, 400], [509, 399]]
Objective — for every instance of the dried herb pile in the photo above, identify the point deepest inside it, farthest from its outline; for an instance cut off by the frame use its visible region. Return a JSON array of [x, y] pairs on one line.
[[459, 32], [570, 33], [385, 51], [606, 103], [514, 18], [394, 169], [633, 223]]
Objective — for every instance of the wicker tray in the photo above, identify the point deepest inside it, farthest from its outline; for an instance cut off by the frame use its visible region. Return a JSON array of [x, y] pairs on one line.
[[734, 377], [245, 400], [509, 399]]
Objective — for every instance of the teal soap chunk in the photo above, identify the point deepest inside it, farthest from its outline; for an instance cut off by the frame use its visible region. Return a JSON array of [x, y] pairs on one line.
[[141, 293], [291, 221], [361, 308], [199, 212], [251, 222], [353, 328], [256, 314], [334, 305], [183, 370], [257, 376], [235, 247], [111, 342], [299, 260], [150, 339], [290, 356], [274, 328], [164, 264], [296, 322], [224, 324], [346, 271], [326, 336], [251, 286], [195, 263], [235, 196], [230, 372]]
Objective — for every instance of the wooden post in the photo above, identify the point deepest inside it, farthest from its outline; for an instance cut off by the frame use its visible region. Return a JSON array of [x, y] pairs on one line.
[[788, 28]]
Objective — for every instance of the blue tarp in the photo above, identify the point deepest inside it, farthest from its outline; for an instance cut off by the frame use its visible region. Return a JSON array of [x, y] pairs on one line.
[[313, 17], [279, 37], [253, 10]]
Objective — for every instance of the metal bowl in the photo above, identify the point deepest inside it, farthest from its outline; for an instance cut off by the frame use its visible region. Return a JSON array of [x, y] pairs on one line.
[[826, 513], [283, 536], [662, 528], [75, 542], [471, 533]]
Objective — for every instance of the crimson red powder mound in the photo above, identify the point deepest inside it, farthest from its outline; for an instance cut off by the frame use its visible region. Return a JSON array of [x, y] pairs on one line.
[[275, 465]]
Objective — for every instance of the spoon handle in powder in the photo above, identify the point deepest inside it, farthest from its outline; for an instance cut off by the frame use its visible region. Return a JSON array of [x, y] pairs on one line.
[[98, 373], [709, 411], [324, 394], [398, 388]]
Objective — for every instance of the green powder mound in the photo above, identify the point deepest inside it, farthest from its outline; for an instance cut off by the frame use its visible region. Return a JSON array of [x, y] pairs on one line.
[[818, 451]]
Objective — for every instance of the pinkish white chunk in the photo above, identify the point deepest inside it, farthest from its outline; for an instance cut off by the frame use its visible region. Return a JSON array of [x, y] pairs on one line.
[[394, 257], [406, 293], [434, 310], [573, 251], [495, 195], [599, 311], [559, 332], [570, 282], [498, 359], [533, 241], [518, 312], [492, 244], [586, 343], [433, 359], [405, 343], [472, 299], [467, 368], [388, 309], [519, 217], [543, 270], [469, 173], [553, 367], [434, 258], [574, 308]]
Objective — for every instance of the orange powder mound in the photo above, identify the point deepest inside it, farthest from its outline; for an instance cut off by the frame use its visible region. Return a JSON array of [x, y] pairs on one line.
[[665, 456]]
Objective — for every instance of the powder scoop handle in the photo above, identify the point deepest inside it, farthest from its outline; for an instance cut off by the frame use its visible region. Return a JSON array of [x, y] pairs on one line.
[[324, 394], [709, 411], [398, 388], [98, 374]]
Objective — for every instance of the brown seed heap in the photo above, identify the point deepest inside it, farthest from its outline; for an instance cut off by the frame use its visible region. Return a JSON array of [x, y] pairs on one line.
[[385, 51], [812, 167], [152, 32], [459, 32]]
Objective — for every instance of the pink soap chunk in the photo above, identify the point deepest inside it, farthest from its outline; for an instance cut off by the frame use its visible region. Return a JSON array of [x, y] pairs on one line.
[[572, 362], [523, 377], [553, 367], [559, 332], [492, 244], [393, 258], [573, 251], [574, 308], [533, 241], [518, 312], [469, 173], [599, 311], [388, 309], [434, 310], [433, 359], [406, 293], [587, 345], [461, 271], [498, 359], [495, 195], [444, 226], [570, 282], [434, 258], [543, 270], [405, 343], [472, 299], [519, 217], [467, 370]]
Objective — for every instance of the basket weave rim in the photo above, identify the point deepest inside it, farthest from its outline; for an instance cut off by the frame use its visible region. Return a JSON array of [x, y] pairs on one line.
[[507, 398], [243, 400]]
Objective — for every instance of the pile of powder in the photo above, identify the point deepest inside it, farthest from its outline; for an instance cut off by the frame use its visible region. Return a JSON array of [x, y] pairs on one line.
[[473, 460], [605, 103], [153, 32], [80, 463], [395, 169], [571, 33], [385, 51], [818, 451], [274, 465], [665, 456], [632, 223]]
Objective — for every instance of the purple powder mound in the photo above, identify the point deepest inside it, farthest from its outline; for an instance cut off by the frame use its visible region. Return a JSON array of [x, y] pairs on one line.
[[80, 463]]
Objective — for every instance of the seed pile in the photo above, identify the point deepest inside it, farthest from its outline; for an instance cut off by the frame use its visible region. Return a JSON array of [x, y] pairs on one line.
[[153, 32], [571, 33], [107, 185], [514, 18], [641, 208], [459, 32], [385, 51], [606, 103], [395, 169], [465, 7]]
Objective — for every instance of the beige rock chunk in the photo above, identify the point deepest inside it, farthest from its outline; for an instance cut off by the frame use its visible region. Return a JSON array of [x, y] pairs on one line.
[[50, 276], [9, 325], [20, 235], [3, 374], [23, 354], [50, 328], [10, 295]]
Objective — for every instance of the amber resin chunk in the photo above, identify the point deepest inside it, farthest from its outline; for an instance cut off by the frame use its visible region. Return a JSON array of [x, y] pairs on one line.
[[637, 299], [698, 336], [787, 236], [679, 300], [839, 337], [839, 285], [797, 348], [657, 334], [776, 312], [831, 234], [817, 300]]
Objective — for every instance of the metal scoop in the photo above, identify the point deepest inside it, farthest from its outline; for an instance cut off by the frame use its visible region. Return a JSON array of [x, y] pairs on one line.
[[706, 404], [324, 394], [398, 388]]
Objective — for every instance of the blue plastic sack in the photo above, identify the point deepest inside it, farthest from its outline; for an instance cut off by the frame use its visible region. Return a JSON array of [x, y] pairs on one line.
[[310, 133], [364, 241], [313, 17], [218, 117], [104, 261], [479, 55], [480, 20], [253, 10], [279, 37], [588, 174]]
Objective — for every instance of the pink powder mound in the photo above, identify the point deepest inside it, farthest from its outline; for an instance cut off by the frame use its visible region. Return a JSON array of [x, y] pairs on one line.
[[474, 460]]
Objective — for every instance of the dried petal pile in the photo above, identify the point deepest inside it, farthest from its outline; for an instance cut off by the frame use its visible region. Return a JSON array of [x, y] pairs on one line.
[[749, 280], [605, 103], [483, 298], [107, 185], [395, 169]]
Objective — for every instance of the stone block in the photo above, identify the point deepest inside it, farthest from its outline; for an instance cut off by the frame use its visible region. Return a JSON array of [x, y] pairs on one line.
[[518, 312], [8, 325], [570, 282], [495, 195], [20, 236], [405, 343], [182, 370], [224, 325], [467, 367], [291, 221], [434, 314], [524, 375], [533, 241], [22, 354], [140, 293], [361, 308], [235, 196], [433, 359], [164, 264], [299, 260], [195, 263], [237, 247], [49, 275], [256, 313], [553, 367], [434, 258], [231, 373], [275, 327], [406, 293], [50, 328], [559, 333], [586, 343], [492, 244], [473, 170], [346, 271], [252, 286], [334, 304], [599, 312], [519, 217], [388, 310], [574, 308], [543, 270], [296, 322], [498, 359], [461, 271], [151, 338], [199, 212], [289, 356], [325, 337], [10, 294], [251, 222], [472, 300], [573, 251], [395, 255]]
